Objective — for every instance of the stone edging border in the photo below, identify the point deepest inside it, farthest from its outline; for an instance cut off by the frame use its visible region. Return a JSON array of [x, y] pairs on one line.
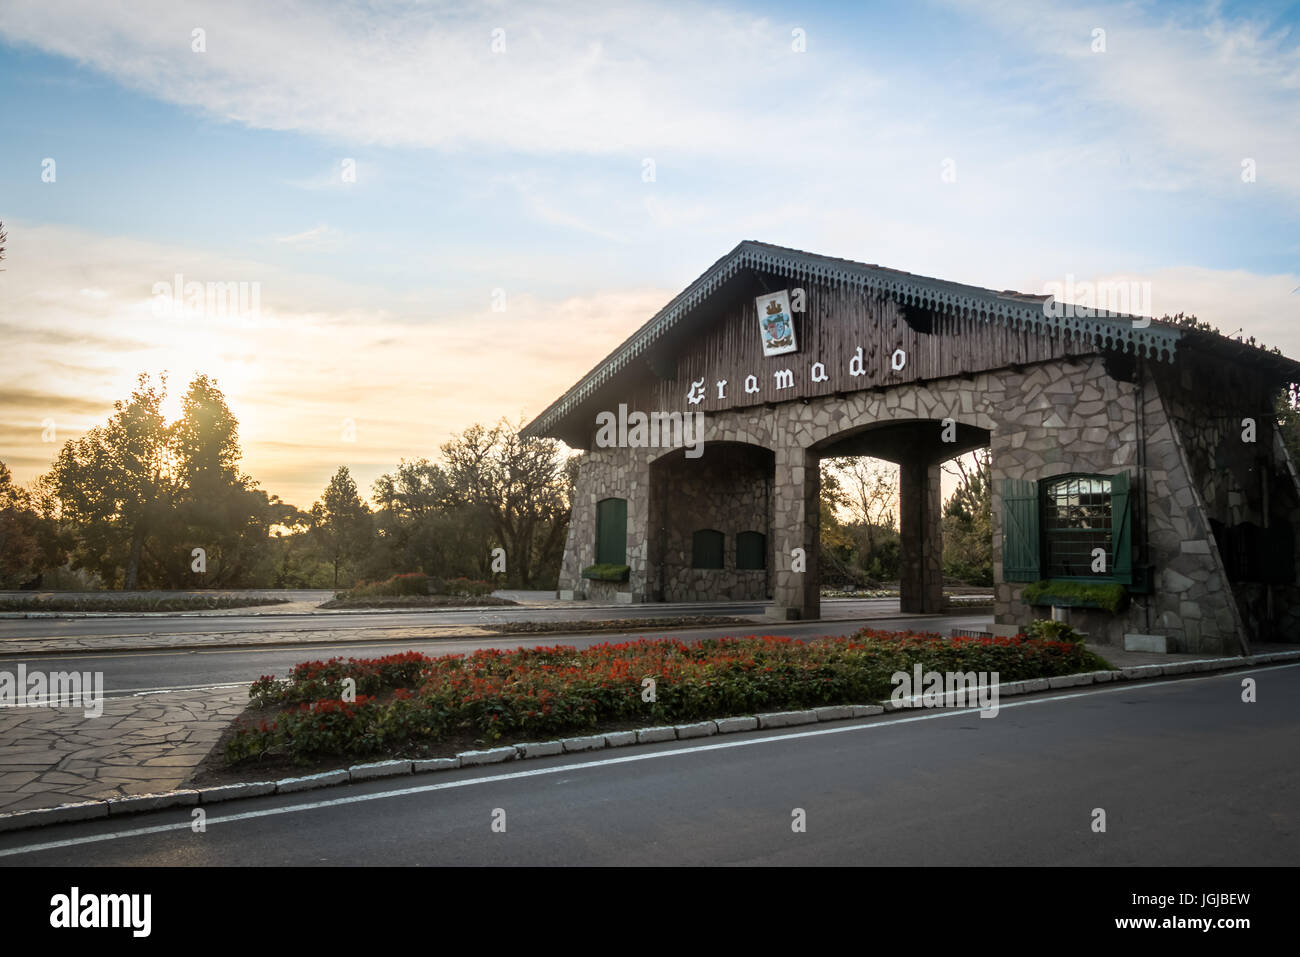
[[89, 810]]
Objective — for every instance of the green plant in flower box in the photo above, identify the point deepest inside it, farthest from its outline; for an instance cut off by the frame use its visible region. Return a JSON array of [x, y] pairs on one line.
[[606, 573], [1111, 596]]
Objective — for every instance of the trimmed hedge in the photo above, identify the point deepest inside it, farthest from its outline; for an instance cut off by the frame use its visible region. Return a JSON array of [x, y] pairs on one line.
[[415, 583], [418, 583]]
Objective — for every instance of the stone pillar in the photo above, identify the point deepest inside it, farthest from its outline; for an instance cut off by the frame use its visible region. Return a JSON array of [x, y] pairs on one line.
[[921, 503], [796, 519], [637, 492]]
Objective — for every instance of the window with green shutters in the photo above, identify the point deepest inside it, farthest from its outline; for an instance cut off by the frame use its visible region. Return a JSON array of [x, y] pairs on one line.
[[751, 551], [1121, 512], [611, 531], [1076, 521], [1050, 528], [1019, 530], [706, 548]]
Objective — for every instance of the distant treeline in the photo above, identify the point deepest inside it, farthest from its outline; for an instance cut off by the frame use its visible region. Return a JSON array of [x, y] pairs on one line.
[[128, 503]]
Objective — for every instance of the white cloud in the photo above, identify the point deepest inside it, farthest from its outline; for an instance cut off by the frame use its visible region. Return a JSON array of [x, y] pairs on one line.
[[1182, 85], [593, 79], [317, 238]]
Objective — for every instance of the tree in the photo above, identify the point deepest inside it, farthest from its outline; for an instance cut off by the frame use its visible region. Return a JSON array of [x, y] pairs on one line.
[[140, 495], [869, 499], [341, 523], [116, 485], [4, 236], [217, 508], [523, 486], [421, 526], [206, 439], [968, 520], [870, 492], [20, 545], [837, 547]]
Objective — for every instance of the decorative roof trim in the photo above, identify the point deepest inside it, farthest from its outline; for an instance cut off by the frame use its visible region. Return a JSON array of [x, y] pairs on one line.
[[1039, 314]]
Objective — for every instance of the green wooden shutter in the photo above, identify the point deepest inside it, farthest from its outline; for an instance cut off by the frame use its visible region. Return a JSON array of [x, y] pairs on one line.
[[1019, 530], [751, 550], [707, 548], [1279, 554], [1121, 530], [611, 531]]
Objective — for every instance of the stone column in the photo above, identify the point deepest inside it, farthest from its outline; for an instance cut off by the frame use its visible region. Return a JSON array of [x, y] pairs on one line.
[[796, 519], [637, 492], [921, 504]]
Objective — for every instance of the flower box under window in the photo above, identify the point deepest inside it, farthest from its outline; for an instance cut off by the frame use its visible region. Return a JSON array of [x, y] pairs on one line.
[[1112, 597], [606, 573]]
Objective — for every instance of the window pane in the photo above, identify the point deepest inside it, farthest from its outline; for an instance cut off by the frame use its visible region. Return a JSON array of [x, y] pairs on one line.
[[1076, 520]]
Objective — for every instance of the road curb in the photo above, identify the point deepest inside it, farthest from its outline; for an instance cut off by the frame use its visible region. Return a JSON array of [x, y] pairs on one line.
[[143, 803]]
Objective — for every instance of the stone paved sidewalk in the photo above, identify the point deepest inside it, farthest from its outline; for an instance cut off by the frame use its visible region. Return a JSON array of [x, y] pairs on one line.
[[139, 745]]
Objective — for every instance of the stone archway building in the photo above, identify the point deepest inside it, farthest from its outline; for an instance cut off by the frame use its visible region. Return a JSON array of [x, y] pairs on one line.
[[1150, 444]]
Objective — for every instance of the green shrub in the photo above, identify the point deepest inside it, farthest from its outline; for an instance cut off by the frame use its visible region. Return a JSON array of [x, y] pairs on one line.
[[1050, 630], [413, 583], [1112, 596], [418, 583], [606, 573]]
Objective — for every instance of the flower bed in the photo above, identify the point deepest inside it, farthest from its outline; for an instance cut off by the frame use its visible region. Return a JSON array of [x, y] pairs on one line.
[[537, 693]]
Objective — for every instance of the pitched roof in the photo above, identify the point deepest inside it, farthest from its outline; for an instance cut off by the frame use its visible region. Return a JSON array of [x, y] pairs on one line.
[[1106, 330]]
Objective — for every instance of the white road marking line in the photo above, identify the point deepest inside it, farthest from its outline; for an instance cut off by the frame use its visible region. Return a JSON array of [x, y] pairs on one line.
[[600, 763]]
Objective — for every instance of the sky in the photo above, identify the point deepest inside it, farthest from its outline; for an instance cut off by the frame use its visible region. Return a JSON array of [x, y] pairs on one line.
[[447, 213]]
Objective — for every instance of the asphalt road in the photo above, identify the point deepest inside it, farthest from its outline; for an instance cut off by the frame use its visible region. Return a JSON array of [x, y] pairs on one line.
[[1186, 773], [142, 672], [125, 624]]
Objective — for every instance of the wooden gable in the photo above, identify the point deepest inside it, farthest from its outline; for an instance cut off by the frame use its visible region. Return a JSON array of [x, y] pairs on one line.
[[908, 328]]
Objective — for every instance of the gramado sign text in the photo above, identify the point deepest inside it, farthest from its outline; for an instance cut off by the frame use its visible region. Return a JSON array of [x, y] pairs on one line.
[[784, 378]]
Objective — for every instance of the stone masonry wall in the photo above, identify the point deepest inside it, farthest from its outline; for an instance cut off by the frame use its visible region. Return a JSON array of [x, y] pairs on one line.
[[608, 473], [727, 489], [1229, 473], [1046, 420]]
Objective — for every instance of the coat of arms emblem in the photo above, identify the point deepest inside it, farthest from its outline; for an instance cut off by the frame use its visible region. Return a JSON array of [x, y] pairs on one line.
[[775, 323]]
